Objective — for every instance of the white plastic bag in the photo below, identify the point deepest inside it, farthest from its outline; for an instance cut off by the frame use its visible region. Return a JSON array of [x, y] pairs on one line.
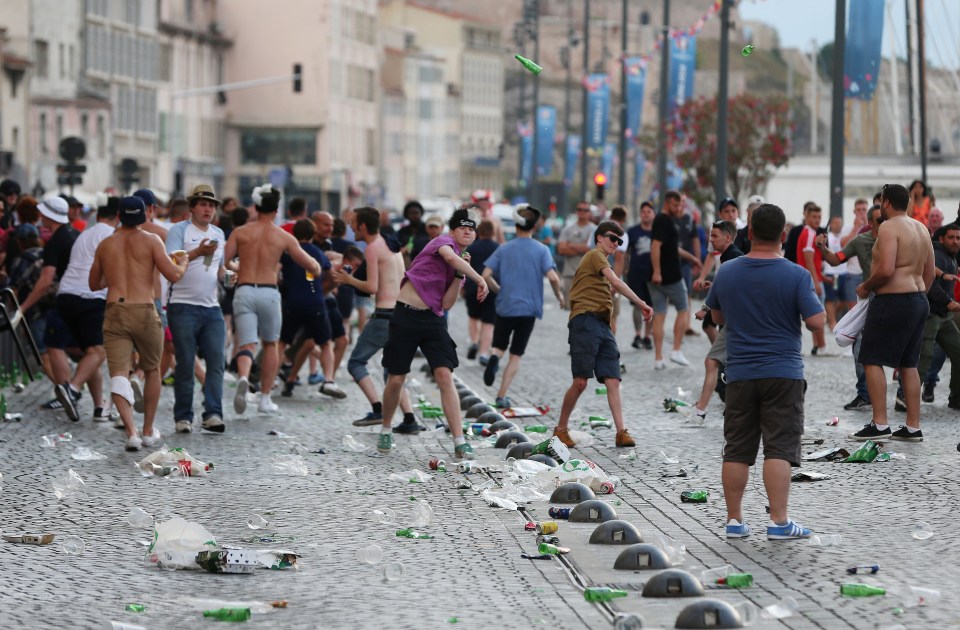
[[176, 543], [850, 325]]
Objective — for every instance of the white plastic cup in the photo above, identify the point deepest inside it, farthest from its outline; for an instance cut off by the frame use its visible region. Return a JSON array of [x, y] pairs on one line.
[[392, 571], [256, 521], [749, 612], [73, 545], [922, 531], [922, 597], [710, 576], [139, 518], [385, 516], [371, 554], [784, 608], [826, 540]]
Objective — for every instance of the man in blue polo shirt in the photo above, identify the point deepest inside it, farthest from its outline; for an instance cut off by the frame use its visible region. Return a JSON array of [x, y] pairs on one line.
[[519, 265]]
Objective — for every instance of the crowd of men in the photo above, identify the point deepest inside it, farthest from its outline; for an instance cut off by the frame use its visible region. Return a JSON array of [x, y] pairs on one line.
[[204, 285]]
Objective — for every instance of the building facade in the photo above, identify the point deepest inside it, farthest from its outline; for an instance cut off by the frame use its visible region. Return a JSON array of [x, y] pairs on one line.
[[15, 65]]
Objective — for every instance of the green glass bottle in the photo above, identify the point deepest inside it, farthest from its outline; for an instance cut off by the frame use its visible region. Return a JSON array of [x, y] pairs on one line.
[[601, 390], [602, 594], [529, 65], [228, 614], [747, 50], [536, 428], [547, 548], [737, 580], [135, 608], [861, 590], [694, 496]]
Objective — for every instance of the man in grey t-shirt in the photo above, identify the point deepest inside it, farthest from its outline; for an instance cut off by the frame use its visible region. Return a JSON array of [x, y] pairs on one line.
[[575, 241]]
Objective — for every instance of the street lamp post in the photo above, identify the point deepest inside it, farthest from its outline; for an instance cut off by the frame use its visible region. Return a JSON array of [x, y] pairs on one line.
[[720, 184], [664, 100], [583, 126]]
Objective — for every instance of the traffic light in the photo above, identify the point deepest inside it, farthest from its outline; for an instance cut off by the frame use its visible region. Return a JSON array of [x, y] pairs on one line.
[[297, 72], [601, 182]]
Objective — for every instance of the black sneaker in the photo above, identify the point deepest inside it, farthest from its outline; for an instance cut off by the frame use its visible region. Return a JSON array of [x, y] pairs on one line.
[[903, 434], [490, 371], [857, 404], [288, 389], [899, 405], [647, 343], [53, 405], [871, 432], [472, 351], [927, 395], [69, 401], [408, 428], [637, 342]]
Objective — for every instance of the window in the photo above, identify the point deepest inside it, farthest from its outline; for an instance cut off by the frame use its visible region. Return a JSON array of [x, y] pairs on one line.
[[426, 109], [371, 147], [59, 128], [165, 62], [71, 69], [40, 49], [63, 62], [43, 134], [278, 146], [84, 127], [101, 137], [188, 10]]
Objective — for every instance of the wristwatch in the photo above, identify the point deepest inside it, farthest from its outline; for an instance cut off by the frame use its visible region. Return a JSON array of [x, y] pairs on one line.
[[459, 275]]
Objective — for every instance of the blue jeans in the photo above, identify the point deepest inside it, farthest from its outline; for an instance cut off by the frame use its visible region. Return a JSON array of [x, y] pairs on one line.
[[197, 328], [936, 364], [371, 341]]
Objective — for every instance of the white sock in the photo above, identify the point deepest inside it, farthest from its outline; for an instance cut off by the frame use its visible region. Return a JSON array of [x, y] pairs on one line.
[[699, 411], [457, 441], [912, 430], [385, 430], [880, 427]]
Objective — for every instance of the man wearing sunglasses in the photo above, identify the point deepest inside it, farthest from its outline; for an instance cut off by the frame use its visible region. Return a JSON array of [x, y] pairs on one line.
[[593, 348]]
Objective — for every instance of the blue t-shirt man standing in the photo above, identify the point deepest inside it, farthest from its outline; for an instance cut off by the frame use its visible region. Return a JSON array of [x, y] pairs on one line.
[[761, 298], [515, 271]]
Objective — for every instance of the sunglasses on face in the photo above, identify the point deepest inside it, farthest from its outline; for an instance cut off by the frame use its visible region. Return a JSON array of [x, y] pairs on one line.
[[583, 209], [613, 238]]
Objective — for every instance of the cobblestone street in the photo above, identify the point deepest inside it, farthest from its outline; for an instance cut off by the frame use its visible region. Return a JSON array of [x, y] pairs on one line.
[[472, 572]]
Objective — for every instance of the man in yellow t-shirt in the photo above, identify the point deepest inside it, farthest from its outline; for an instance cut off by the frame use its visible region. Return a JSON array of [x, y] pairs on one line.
[[593, 348]]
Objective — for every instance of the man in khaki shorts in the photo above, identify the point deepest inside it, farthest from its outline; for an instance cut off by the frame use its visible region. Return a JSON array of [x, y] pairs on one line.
[[124, 264], [256, 303]]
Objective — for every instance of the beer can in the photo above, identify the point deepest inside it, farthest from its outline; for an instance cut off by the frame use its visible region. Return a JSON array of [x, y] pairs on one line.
[[547, 527], [561, 513], [605, 487], [530, 526], [437, 464], [550, 540], [467, 467]]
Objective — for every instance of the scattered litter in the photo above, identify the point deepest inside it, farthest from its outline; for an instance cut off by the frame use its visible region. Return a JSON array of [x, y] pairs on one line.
[[922, 531], [119, 625], [872, 568], [352, 444], [921, 597], [551, 549], [438, 465], [834, 421], [409, 532], [672, 405], [528, 65], [862, 590], [138, 608], [371, 554], [299, 449], [581, 439], [865, 454], [784, 608], [138, 517], [69, 485], [411, 476], [826, 540], [228, 614], [666, 459], [525, 412], [808, 476], [72, 545], [386, 516], [629, 455], [292, 465], [422, 514], [393, 571], [177, 542], [675, 551], [747, 50], [172, 462], [30, 539], [682, 473], [827, 455], [694, 496], [886, 457], [256, 522], [281, 435], [84, 454], [540, 556], [51, 441], [12, 417]]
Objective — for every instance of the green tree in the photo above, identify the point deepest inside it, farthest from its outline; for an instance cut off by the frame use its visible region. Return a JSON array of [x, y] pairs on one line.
[[759, 143]]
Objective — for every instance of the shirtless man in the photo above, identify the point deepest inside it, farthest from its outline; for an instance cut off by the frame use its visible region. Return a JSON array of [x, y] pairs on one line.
[[256, 303], [483, 200], [902, 269], [124, 264], [428, 288], [384, 269]]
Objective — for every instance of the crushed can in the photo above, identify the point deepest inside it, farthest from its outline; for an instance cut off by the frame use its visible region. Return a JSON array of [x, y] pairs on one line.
[[530, 526], [554, 448], [228, 561], [546, 527], [560, 513], [550, 540], [467, 467], [597, 422], [602, 487]]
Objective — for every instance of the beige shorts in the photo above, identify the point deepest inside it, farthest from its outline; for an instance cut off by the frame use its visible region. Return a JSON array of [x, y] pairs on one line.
[[132, 326], [718, 351]]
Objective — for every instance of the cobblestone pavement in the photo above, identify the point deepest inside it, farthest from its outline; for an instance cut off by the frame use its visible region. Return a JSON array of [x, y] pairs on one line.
[[472, 570]]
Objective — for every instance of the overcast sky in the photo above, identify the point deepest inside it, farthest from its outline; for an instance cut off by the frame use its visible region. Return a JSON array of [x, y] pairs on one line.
[[800, 21]]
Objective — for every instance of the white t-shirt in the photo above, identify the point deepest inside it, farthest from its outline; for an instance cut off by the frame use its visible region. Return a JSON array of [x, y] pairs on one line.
[[198, 286], [76, 279], [853, 264], [833, 244]]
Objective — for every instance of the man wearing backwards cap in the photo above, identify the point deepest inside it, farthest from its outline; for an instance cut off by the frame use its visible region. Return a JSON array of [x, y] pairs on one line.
[[430, 286], [256, 303], [125, 264]]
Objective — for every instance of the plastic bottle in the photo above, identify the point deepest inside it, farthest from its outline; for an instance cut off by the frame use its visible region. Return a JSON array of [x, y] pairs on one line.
[[228, 614], [694, 496], [861, 590], [602, 594], [921, 597], [529, 65]]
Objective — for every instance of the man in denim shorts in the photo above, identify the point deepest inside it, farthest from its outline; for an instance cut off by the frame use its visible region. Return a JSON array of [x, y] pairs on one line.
[[760, 299]]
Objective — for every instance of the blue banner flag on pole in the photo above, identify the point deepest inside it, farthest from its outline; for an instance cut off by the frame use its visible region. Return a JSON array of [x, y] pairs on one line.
[[609, 153], [640, 164], [526, 144], [683, 63], [598, 111], [861, 62], [573, 155], [636, 80], [547, 121]]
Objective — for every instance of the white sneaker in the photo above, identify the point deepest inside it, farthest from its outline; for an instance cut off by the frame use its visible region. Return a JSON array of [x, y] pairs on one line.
[[153, 438], [331, 389], [267, 405], [134, 443], [659, 364], [240, 396], [184, 427], [677, 357]]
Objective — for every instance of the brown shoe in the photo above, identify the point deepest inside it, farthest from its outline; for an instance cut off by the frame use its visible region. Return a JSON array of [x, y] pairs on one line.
[[564, 436], [624, 439]]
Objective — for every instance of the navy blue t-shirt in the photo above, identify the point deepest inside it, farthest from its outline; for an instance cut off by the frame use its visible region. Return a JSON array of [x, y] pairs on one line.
[[479, 251], [302, 287], [639, 241], [763, 302]]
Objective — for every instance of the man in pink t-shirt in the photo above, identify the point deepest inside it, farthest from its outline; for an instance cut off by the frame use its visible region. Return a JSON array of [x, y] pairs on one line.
[[430, 287], [810, 258]]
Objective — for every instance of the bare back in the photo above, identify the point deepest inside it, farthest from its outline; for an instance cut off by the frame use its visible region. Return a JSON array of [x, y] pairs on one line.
[[128, 261], [259, 246], [390, 269], [160, 231], [908, 241]]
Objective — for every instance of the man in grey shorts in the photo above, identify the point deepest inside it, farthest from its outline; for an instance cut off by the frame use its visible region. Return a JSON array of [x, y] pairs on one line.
[[761, 298], [256, 303]]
